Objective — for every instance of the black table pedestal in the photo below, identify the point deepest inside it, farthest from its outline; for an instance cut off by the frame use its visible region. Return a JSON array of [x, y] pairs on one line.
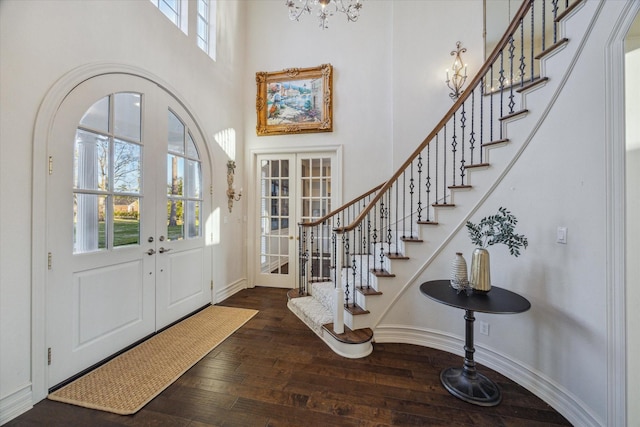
[[479, 390], [466, 383]]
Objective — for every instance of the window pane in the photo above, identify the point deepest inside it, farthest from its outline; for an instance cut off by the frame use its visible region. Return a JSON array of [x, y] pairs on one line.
[[192, 151], [170, 9], [91, 161], [97, 116], [127, 171], [203, 7], [193, 219], [89, 227], [126, 112], [175, 221], [126, 221], [193, 180], [175, 175], [176, 134]]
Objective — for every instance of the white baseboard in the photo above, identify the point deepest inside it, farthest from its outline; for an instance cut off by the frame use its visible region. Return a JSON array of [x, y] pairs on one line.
[[229, 290], [15, 404], [546, 389]]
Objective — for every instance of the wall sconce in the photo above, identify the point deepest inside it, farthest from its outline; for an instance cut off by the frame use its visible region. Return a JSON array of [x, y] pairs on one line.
[[459, 70], [231, 192]]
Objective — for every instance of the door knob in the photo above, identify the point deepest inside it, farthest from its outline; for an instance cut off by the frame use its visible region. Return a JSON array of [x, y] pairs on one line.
[[151, 252], [163, 250]]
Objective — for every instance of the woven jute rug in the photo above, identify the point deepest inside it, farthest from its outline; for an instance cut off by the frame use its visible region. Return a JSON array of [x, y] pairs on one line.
[[128, 382]]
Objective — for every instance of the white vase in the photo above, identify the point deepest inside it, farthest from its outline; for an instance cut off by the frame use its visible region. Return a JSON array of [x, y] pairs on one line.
[[458, 277], [480, 279]]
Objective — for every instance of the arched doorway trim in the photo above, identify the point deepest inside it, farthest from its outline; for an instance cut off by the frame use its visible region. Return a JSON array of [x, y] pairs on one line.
[[41, 139]]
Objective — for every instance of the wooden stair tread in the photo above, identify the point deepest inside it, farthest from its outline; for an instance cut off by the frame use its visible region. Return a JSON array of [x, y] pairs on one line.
[[496, 142], [553, 47], [428, 222], [395, 256], [568, 10], [358, 336], [381, 273], [532, 84], [514, 114], [355, 310], [368, 291], [443, 205], [411, 239], [459, 187], [477, 165]]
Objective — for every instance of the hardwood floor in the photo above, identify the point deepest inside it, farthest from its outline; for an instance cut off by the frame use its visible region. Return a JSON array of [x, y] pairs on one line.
[[275, 372]]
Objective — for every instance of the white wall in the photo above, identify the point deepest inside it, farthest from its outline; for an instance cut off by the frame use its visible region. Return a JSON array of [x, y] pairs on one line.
[[361, 56], [422, 47], [40, 42]]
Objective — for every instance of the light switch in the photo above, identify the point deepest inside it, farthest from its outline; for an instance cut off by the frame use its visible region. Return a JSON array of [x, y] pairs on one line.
[[561, 235]]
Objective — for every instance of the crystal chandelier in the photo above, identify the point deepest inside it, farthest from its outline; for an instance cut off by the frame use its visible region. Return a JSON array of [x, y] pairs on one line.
[[325, 9]]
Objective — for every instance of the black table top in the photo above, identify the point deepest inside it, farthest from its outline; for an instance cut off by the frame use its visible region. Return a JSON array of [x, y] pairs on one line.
[[496, 301]]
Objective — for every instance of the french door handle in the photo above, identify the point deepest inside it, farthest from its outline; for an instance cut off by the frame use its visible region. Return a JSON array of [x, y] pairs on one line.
[[151, 252], [163, 250]]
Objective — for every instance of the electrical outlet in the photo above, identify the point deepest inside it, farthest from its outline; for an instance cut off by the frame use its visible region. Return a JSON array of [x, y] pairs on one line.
[[484, 327]]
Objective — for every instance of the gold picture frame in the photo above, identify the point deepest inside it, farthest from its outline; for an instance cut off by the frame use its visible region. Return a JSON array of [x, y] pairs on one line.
[[295, 100]]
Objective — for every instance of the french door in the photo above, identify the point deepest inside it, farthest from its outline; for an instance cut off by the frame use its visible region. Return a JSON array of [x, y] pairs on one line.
[[292, 188], [125, 215]]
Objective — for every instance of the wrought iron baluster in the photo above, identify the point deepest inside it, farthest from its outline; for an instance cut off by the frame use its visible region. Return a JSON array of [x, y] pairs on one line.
[[354, 271], [444, 166], [368, 249], [454, 146], [463, 122], [482, 97], [419, 186], [345, 245], [436, 165], [428, 181], [402, 214], [533, 31], [555, 24], [411, 187], [472, 135], [501, 79], [382, 225], [512, 48], [389, 229], [313, 254], [522, 66], [491, 106]]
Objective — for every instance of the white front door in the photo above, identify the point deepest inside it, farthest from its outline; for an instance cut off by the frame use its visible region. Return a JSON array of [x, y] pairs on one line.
[[292, 188], [125, 203]]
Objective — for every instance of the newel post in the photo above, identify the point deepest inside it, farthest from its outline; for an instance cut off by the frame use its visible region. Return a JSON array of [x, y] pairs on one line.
[[338, 304]]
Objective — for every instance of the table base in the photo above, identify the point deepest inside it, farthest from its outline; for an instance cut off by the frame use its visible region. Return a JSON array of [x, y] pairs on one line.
[[478, 390]]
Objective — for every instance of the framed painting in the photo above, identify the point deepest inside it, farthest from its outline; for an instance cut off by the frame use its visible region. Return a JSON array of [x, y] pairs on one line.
[[295, 100]]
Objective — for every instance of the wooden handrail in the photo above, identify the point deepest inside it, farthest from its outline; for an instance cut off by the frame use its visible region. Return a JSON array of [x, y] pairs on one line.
[[524, 9], [341, 208]]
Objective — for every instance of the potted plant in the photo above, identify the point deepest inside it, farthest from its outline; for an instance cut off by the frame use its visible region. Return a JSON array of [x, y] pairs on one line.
[[492, 230]]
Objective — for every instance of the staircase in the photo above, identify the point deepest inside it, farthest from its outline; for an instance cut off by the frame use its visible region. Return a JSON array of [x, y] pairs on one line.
[[358, 259]]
